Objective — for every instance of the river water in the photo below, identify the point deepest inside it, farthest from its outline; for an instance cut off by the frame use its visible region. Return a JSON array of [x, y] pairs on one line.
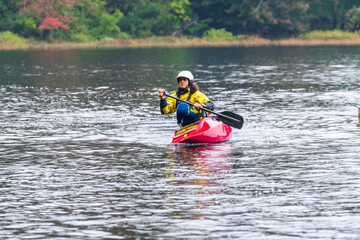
[[86, 154]]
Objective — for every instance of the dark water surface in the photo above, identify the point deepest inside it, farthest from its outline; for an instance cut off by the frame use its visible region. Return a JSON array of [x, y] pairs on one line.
[[85, 153]]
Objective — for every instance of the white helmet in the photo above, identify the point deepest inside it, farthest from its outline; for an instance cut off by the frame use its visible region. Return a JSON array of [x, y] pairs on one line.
[[187, 75]]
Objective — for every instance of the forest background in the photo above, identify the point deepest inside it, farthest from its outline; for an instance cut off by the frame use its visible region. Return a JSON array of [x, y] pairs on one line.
[[127, 21]]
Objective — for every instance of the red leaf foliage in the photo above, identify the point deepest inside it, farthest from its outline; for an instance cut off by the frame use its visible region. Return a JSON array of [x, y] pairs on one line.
[[52, 23], [53, 14]]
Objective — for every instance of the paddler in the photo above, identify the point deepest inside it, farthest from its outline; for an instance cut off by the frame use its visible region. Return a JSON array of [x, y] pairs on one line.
[[189, 91]]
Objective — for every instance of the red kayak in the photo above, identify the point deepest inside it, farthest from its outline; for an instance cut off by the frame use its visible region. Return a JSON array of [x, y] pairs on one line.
[[206, 130]]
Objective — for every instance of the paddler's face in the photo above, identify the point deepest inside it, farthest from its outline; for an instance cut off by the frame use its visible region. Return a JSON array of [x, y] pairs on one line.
[[183, 82]]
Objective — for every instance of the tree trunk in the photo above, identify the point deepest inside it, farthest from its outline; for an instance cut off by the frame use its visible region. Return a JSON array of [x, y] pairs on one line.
[[47, 36], [183, 28]]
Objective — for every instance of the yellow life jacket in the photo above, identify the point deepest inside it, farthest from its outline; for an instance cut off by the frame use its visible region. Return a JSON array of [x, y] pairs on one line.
[[196, 97]]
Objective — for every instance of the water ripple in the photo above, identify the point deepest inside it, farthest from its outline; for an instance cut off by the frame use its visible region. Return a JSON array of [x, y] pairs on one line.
[[85, 152]]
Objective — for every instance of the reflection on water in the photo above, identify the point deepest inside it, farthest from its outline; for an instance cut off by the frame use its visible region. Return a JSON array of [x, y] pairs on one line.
[[194, 172], [203, 160], [86, 154]]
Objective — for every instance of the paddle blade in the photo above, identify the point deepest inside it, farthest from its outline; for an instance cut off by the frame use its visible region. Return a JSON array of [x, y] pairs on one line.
[[234, 119]]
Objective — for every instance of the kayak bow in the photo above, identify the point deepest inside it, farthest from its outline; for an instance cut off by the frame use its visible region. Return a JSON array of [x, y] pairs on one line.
[[206, 130]]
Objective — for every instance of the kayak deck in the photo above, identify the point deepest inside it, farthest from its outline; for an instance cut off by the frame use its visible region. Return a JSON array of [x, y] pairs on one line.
[[206, 130]]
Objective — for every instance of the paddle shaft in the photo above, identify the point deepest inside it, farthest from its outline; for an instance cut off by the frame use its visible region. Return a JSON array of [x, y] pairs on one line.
[[203, 108], [352, 104]]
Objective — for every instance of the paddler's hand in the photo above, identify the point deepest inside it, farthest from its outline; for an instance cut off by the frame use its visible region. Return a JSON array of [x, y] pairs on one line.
[[161, 94], [197, 106]]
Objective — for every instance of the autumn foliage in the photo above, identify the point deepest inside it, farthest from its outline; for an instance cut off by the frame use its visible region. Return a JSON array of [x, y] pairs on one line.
[[53, 14], [52, 23]]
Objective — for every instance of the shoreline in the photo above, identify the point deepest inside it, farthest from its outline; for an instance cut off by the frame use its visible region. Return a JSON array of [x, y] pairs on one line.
[[171, 42]]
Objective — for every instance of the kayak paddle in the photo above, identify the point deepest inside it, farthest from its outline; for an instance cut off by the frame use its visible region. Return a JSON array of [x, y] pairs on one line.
[[353, 104], [229, 118]]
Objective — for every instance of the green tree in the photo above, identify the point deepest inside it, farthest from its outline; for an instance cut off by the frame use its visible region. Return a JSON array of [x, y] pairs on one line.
[[125, 6], [265, 17], [178, 12], [282, 17], [354, 18], [233, 15], [9, 19], [160, 17], [96, 19], [94, 22], [330, 14], [142, 21]]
